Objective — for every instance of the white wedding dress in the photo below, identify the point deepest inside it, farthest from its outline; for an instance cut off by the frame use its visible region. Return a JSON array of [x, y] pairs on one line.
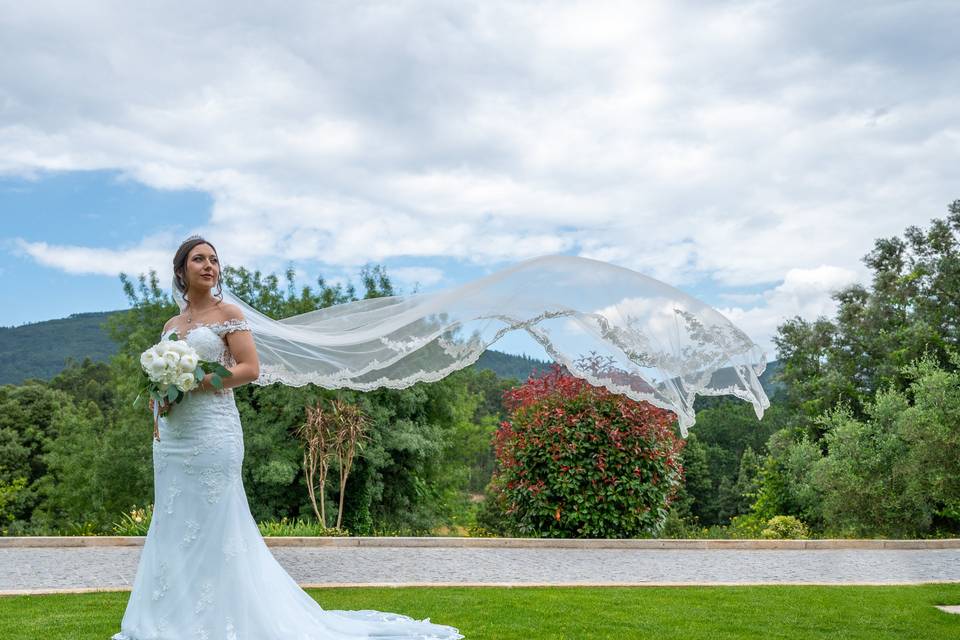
[[205, 572]]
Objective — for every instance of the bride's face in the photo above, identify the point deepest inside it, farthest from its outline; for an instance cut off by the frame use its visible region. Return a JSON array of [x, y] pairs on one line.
[[202, 268]]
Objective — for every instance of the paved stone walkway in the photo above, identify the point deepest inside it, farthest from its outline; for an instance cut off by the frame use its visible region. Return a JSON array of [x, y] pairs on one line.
[[57, 568]]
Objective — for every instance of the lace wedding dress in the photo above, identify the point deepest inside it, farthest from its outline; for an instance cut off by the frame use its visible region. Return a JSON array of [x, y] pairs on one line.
[[205, 572]]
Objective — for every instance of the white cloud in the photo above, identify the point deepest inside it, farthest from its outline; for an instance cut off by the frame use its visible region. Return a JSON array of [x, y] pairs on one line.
[[150, 254], [804, 292], [424, 276], [746, 143]]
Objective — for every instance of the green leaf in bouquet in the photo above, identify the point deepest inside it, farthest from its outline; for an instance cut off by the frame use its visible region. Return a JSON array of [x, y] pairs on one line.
[[216, 381], [172, 392], [222, 370], [173, 336], [198, 374]]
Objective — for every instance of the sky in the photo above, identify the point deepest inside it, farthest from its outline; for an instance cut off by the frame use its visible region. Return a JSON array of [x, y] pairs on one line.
[[748, 153]]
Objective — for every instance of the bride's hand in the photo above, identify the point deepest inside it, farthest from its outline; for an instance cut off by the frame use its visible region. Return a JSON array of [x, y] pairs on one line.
[[205, 384]]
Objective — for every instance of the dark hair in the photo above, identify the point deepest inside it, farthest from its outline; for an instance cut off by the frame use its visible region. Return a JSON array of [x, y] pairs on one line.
[[180, 265]]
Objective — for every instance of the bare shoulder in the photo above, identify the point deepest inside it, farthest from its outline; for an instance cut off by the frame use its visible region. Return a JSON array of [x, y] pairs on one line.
[[231, 312], [171, 322]]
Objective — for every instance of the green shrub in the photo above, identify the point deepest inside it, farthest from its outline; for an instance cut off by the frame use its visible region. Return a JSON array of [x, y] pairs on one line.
[[785, 527], [675, 526], [299, 527], [748, 525], [8, 495], [79, 528]]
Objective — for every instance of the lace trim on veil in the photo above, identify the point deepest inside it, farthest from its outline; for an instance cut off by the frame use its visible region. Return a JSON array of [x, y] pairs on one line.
[[596, 371]]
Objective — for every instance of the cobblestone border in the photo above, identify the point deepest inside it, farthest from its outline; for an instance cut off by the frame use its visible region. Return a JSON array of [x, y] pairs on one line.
[[506, 543], [514, 585]]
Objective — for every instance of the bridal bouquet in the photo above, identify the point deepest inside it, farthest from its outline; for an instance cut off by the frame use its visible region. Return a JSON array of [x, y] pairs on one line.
[[171, 369]]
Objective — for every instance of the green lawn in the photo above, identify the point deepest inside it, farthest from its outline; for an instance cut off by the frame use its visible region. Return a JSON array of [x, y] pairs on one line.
[[572, 613]]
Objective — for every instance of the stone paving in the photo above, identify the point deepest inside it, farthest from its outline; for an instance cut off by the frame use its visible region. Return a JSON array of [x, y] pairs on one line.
[[24, 569]]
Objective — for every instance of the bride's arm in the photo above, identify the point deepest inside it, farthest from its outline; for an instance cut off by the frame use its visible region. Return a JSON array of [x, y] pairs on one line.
[[244, 352]]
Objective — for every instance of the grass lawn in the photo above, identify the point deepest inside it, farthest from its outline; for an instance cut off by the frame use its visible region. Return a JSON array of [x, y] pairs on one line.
[[574, 613]]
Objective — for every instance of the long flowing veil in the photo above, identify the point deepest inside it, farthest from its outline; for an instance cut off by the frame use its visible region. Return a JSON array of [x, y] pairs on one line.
[[609, 325]]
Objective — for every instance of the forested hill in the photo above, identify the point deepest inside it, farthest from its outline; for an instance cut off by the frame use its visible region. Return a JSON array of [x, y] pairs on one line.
[[40, 349]]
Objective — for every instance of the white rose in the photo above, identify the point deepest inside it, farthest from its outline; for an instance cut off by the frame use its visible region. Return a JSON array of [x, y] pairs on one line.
[[181, 347], [186, 382], [147, 358], [188, 361], [171, 358], [157, 367]]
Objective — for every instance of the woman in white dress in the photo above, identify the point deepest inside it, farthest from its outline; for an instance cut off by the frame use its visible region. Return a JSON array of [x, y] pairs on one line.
[[205, 572]]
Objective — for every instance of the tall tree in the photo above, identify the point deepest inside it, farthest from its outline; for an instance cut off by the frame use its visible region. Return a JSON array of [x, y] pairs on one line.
[[911, 308]]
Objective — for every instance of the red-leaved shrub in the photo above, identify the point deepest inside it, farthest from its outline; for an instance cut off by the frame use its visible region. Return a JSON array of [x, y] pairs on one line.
[[575, 460]]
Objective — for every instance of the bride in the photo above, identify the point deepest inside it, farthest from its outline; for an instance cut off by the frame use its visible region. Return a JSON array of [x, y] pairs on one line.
[[205, 572]]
